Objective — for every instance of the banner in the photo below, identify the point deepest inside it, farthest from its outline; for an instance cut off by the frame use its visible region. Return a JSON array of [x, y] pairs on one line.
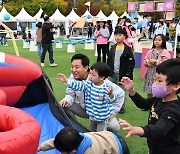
[[149, 6], [131, 7], [160, 7], [168, 5], [141, 7]]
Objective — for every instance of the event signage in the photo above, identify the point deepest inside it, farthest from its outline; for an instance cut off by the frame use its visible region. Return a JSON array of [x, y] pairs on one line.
[[131, 7], [160, 7], [168, 5], [149, 6]]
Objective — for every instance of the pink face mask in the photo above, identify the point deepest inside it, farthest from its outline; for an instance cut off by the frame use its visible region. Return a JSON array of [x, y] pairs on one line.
[[159, 91]]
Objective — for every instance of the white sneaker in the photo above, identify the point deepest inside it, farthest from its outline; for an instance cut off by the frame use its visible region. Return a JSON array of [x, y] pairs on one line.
[[42, 65], [53, 65]]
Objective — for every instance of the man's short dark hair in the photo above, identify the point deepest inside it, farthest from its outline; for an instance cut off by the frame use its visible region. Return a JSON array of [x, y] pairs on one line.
[[46, 18], [120, 30], [171, 69], [102, 69], [84, 59], [67, 140]]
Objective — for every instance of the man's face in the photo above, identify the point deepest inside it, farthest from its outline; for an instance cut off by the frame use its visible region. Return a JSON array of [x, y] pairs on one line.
[[78, 70]]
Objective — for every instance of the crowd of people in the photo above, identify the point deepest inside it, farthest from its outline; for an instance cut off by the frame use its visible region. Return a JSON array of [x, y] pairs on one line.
[[99, 92]]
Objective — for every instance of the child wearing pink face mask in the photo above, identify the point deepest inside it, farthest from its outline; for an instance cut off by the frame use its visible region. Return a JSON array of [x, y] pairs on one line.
[[163, 128]]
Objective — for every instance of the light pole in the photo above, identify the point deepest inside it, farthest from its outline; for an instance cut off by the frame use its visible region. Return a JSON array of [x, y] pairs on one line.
[[74, 1]]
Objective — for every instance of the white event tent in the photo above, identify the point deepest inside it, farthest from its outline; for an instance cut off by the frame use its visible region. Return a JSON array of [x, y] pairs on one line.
[[23, 16], [72, 16], [125, 14], [114, 18], [3, 12], [58, 16], [101, 15], [87, 13], [38, 14]]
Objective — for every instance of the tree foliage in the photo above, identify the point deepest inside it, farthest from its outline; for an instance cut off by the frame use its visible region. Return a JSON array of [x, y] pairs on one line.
[[65, 6]]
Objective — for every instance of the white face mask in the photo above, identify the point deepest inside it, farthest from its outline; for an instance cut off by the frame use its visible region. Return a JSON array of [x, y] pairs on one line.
[[127, 23]]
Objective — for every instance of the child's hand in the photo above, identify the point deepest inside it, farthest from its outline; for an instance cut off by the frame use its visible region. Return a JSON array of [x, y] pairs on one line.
[[110, 92], [152, 61], [62, 78], [131, 129], [128, 84], [126, 127]]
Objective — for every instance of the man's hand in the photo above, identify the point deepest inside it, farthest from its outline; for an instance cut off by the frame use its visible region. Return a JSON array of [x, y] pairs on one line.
[[63, 103], [111, 117], [62, 78]]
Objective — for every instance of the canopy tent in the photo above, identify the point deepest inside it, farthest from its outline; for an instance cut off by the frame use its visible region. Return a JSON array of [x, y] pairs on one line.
[[72, 16], [80, 23], [23, 16], [87, 13], [125, 14], [38, 14], [3, 12], [57, 16], [113, 16], [101, 15]]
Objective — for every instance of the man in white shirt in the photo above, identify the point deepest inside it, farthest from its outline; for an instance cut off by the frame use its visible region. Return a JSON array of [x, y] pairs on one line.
[[80, 71]]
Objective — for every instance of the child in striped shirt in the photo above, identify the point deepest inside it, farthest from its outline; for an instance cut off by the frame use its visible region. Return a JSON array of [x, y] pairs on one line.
[[98, 96]]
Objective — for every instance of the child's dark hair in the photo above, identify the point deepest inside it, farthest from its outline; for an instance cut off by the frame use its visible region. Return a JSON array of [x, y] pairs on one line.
[[84, 59], [67, 140], [98, 26], [163, 45], [120, 30], [102, 69], [171, 69]]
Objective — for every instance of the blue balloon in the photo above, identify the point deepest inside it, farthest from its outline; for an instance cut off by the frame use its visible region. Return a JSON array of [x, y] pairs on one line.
[[6, 16]]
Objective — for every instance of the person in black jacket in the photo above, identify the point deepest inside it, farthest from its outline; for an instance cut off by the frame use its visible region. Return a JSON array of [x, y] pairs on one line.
[[163, 128], [120, 59], [47, 37]]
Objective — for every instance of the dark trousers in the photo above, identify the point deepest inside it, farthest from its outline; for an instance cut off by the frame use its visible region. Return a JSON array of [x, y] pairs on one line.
[[45, 48], [104, 48], [3, 39], [89, 35]]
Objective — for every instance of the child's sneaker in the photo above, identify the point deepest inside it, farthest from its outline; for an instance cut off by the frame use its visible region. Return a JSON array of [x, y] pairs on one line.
[[53, 65], [42, 65]]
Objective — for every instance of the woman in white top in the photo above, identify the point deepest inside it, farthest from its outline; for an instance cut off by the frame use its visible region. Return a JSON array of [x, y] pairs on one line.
[[160, 29]]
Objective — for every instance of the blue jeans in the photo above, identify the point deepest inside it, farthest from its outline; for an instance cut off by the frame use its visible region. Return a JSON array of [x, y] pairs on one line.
[[3, 39], [47, 47], [39, 45]]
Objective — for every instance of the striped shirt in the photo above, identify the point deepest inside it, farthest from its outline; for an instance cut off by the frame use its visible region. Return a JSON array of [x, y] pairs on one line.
[[98, 104]]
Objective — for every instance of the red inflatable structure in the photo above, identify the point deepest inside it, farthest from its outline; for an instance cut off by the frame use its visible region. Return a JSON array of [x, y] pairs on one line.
[[19, 131], [29, 112]]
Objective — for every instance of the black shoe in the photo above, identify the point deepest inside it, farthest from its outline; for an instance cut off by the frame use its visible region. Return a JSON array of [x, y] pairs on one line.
[[145, 109], [122, 110]]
